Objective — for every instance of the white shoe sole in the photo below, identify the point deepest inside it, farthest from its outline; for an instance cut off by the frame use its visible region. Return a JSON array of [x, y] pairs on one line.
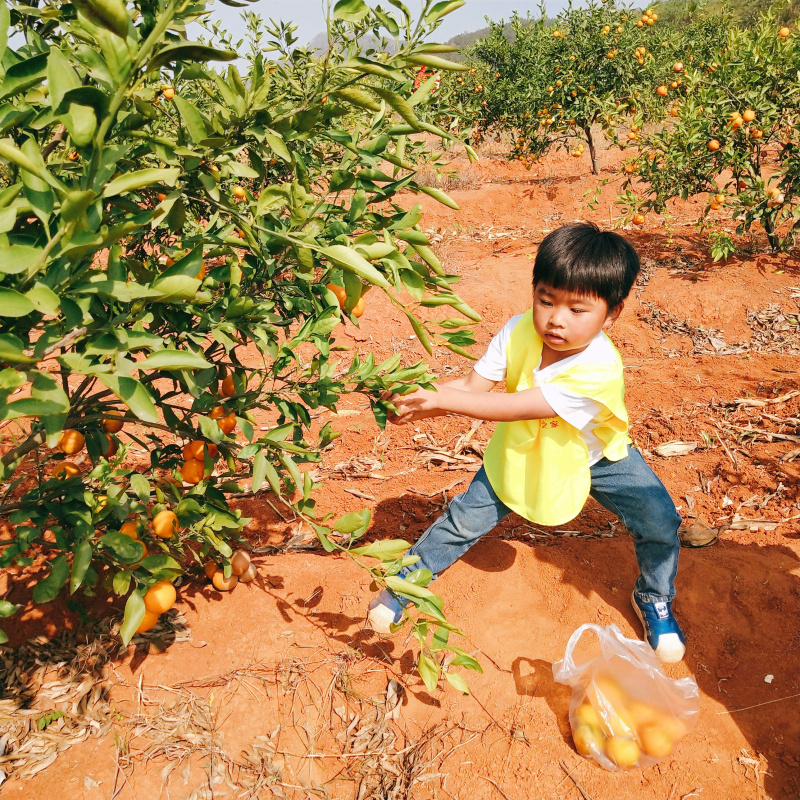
[[380, 618], [670, 648]]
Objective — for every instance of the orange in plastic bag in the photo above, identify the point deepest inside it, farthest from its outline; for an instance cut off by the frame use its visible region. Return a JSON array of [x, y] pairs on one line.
[[625, 713]]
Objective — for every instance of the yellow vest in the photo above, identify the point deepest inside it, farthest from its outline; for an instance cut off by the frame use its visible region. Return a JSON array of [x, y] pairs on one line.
[[540, 468]]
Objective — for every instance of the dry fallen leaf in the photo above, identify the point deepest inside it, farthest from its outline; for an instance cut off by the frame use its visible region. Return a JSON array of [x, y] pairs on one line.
[[676, 448]]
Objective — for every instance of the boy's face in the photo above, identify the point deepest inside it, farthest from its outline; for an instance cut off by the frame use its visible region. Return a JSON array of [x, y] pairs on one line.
[[566, 321]]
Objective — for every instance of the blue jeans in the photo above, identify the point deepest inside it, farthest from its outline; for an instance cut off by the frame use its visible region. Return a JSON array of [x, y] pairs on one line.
[[628, 488]]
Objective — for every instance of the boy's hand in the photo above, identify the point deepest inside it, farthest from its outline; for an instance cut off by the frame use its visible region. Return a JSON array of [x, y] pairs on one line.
[[419, 404]]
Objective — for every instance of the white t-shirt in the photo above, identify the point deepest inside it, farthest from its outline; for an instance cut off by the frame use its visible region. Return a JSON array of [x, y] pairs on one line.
[[580, 412]]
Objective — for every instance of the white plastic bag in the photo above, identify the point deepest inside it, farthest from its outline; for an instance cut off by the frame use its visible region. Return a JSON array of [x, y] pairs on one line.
[[625, 713]]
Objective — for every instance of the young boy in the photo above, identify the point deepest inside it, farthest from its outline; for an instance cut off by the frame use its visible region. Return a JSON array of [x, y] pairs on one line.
[[562, 431]]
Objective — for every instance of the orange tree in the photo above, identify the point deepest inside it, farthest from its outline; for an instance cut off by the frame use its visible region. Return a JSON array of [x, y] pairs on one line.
[[553, 81], [158, 218], [734, 136]]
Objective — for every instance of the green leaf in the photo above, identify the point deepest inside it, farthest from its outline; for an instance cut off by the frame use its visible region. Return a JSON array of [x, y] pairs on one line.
[[134, 614], [277, 145], [140, 486], [131, 181], [429, 672], [173, 360], [420, 332], [436, 63], [48, 588], [442, 9], [353, 522], [438, 194], [193, 120], [23, 75], [188, 52], [109, 14], [158, 562], [259, 470], [121, 582], [6, 608], [14, 304], [386, 550], [420, 577], [81, 559], [406, 589], [350, 10], [133, 394], [5, 22], [399, 104], [122, 547], [350, 260], [18, 258], [453, 678]]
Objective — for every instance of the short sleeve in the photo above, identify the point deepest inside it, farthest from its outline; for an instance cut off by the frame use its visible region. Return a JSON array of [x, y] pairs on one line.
[[580, 412], [492, 365]]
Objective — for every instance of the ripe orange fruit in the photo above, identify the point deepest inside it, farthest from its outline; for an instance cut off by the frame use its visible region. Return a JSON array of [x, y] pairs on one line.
[[149, 620], [713, 145], [160, 597], [227, 423], [168, 93], [662, 90], [65, 470], [756, 133], [677, 66], [239, 192], [720, 198], [222, 583], [240, 561], [249, 575], [714, 205], [112, 445], [632, 136], [74, 155], [655, 741], [71, 442], [358, 308], [161, 197], [228, 389], [210, 568], [749, 115], [587, 740], [217, 412], [640, 24], [192, 471], [165, 524], [784, 32], [622, 752], [672, 726], [673, 84], [130, 528], [112, 424], [197, 450], [339, 291], [638, 219]]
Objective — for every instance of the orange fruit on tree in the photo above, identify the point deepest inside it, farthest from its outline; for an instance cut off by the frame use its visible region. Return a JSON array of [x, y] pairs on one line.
[[112, 445], [222, 583], [71, 441], [714, 205], [168, 93], [227, 423], [192, 471], [149, 620], [749, 115], [161, 197], [756, 133], [210, 568], [358, 308], [240, 561], [160, 597], [228, 389], [662, 91], [130, 528], [638, 219], [713, 145], [112, 424], [165, 524], [239, 192], [677, 66], [217, 412], [249, 575], [65, 470], [339, 291], [784, 32], [74, 155], [720, 198], [197, 450]]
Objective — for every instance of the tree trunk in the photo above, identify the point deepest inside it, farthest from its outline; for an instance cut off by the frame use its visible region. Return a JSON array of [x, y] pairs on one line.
[[592, 151]]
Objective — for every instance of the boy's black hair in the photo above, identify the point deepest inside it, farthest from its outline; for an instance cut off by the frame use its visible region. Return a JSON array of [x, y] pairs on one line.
[[581, 258]]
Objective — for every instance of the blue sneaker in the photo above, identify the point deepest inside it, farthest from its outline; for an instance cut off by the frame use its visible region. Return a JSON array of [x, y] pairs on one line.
[[661, 628], [384, 610]]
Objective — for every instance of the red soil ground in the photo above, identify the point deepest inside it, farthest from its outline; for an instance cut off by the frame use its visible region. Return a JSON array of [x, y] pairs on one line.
[[520, 592]]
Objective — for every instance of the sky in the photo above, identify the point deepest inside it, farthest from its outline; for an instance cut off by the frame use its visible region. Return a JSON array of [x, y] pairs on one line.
[[309, 15]]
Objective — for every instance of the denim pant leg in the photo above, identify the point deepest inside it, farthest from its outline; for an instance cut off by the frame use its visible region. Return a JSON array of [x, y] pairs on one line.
[[632, 491], [469, 516]]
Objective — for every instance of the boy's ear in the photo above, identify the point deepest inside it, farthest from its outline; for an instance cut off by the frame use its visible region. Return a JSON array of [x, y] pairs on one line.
[[613, 315]]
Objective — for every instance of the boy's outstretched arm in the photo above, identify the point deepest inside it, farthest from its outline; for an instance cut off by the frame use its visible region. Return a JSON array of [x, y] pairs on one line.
[[477, 403]]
